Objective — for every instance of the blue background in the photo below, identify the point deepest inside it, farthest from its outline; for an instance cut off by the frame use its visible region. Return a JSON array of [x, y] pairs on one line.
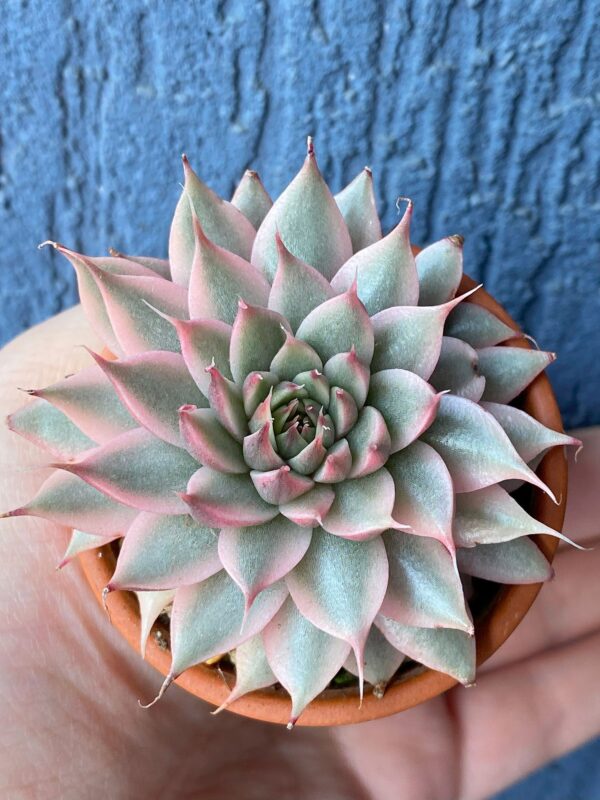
[[486, 113]]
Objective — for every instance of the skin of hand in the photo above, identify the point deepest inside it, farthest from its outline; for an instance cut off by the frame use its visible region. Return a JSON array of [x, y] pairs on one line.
[[71, 726]]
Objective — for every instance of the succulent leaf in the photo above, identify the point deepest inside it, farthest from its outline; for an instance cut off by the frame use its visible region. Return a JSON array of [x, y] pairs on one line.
[[217, 499], [139, 470], [528, 436], [475, 448], [252, 671], [439, 268], [477, 326], [219, 279], [457, 370], [424, 588], [515, 561], [339, 586], [208, 442], [309, 223], [67, 500], [444, 649], [89, 400], [80, 542], [150, 386], [224, 224], [508, 370], [256, 337], [424, 494], [385, 271], [152, 605], [359, 209], [204, 342], [162, 552], [303, 658], [381, 661], [258, 556], [50, 429], [251, 198]]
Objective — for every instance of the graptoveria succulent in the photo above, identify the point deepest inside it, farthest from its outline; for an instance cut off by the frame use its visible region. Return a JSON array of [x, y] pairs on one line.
[[301, 433]]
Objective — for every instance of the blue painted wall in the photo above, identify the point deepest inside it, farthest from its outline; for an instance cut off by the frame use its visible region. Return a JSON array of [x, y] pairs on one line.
[[486, 113]]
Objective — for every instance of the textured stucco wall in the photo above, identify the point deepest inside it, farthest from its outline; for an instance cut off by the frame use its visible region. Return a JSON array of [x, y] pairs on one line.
[[486, 113]]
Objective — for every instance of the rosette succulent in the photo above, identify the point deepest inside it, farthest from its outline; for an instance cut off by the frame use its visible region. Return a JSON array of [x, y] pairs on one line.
[[300, 434]]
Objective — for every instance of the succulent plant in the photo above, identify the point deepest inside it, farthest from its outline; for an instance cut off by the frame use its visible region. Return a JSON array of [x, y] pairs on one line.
[[301, 436]]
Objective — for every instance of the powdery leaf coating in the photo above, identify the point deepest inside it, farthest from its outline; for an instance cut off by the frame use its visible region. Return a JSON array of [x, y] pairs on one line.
[[315, 470]]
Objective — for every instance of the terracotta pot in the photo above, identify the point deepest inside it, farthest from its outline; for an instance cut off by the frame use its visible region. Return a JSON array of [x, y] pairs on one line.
[[340, 706]]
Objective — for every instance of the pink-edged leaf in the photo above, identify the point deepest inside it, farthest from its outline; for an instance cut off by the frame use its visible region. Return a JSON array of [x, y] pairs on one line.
[[81, 542], [151, 386], [165, 552], [67, 500], [381, 661], [259, 452], [443, 649], [369, 442], [424, 496], [160, 266], [339, 586], [528, 436], [339, 325], [515, 562], [309, 509], [410, 337], [216, 499], [225, 399], [407, 403], [256, 337], [458, 370], [477, 326], [89, 400], [309, 222], [259, 556], [303, 658], [152, 605], [48, 428], [251, 198], [280, 485], [139, 470], [363, 507], [316, 386], [204, 342], [424, 588], [218, 280], [310, 458], [491, 516], [440, 268], [89, 293], [255, 390], [347, 372], [385, 271], [223, 223], [132, 302], [337, 464], [509, 370], [208, 442], [475, 448], [293, 358], [343, 410], [252, 671], [297, 287], [207, 619], [357, 203]]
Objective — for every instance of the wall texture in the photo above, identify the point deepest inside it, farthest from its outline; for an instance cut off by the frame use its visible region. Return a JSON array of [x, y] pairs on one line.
[[486, 113]]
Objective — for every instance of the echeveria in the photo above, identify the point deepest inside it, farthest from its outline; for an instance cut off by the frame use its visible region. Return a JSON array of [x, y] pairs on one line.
[[301, 435]]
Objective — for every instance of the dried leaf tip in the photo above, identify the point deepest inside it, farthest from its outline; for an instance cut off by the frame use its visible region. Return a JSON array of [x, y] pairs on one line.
[[49, 242], [457, 239], [408, 201], [310, 146]]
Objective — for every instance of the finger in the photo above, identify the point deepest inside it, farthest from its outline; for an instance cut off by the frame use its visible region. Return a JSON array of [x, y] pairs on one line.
[[567, 608], [518, 718], [582, 520]]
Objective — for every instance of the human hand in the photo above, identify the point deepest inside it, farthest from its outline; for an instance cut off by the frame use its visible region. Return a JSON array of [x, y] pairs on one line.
[[68, 682]]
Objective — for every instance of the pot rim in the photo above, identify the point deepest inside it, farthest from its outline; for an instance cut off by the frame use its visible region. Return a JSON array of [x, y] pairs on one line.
[[341, 706]]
